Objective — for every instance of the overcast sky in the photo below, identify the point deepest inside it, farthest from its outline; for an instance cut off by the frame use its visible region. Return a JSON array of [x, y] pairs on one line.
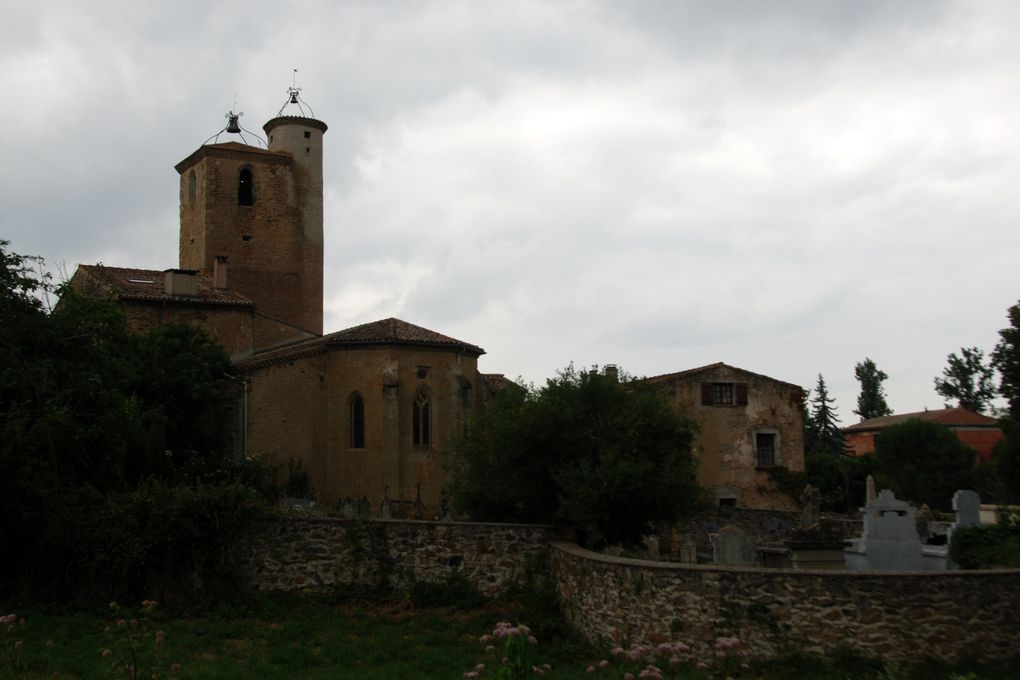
[[787, 187]]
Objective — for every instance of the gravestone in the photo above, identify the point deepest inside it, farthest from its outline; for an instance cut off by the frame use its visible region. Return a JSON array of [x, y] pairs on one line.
[[968, 509], [967, 505], [734, 547], [347, 509], [869, 490], [890, 541], [777, 528], [386, 508], [812, 500], [688, 550], [364, 509]]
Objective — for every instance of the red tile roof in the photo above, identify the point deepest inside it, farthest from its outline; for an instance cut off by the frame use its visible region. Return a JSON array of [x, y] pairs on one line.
[[951, 417], [148, 285], [384, 332], [396, 332]]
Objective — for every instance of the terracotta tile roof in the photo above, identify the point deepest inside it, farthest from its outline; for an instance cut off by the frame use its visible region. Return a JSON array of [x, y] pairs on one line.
[[148, 285], [694, 371], [497, 381], [396, 332], [384, 332], [951, 417]]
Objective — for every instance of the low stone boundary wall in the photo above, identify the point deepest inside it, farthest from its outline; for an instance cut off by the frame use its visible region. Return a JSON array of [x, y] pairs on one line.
[[320, 553], [907, 615]]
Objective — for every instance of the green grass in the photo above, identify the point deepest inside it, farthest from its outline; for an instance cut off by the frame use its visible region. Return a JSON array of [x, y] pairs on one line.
[[298, 638]]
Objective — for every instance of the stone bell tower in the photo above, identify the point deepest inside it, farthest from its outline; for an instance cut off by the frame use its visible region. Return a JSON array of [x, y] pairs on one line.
[[251, 218]]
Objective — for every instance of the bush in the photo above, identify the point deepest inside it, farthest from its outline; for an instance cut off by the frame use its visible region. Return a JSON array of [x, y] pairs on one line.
[[989, 547], [612, 458], [923, 462]]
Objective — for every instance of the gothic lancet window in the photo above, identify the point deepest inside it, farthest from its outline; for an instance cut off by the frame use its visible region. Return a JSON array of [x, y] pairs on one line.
[[422, 421], [357, 422], [245, 195]]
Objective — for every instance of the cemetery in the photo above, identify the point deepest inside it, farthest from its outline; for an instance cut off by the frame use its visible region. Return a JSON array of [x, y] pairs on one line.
[[812, 583]]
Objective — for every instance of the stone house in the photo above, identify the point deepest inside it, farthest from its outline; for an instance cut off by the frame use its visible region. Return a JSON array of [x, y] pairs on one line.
[[977, 431], [749, 424]]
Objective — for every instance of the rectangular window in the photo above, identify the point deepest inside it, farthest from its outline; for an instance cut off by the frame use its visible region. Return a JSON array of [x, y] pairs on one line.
[[765, 449], [724, 394]]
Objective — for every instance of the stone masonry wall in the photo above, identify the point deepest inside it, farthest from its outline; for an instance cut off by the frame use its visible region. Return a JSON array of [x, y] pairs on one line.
[[942, 615], [321, 553]]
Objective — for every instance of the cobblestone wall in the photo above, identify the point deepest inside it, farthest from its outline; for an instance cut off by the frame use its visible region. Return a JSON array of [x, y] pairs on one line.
[[321, 553], [943, 615]]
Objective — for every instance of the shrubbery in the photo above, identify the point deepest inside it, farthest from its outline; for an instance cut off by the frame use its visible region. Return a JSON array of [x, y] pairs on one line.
[[115, 479], [988, 547], [609, 457]]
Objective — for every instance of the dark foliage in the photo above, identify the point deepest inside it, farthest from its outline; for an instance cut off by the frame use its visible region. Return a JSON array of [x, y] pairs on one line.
[[841, 480], [988, 547], [611, 458], [821, 426], [1006, 360], [112, 453], [871, 401], [923, 462], [967, 379]]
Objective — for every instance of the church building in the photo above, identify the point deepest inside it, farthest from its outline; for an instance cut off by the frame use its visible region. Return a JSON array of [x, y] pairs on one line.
[[366, 411]]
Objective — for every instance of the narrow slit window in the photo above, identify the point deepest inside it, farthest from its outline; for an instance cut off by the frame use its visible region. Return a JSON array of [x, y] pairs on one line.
[[245, 195], [422, 424]]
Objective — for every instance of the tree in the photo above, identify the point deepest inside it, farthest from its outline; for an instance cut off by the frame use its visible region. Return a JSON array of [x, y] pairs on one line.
[[871, 401], [87, 412], [1006, 359], [923, 462], [822, 433], [610, 457], [967, 379]]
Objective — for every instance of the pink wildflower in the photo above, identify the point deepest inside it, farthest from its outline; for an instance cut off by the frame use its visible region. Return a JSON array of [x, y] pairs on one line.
[[674, 662], [480, 667], [471, 674], [618, 651], [628, 676], [604, 663], [490, 648], [532, 640], [107, 652], [591, 669]]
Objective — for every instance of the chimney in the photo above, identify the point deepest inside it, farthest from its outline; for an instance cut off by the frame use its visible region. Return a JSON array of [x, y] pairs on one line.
[[180, 282], [220, 272], [612, 372]]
